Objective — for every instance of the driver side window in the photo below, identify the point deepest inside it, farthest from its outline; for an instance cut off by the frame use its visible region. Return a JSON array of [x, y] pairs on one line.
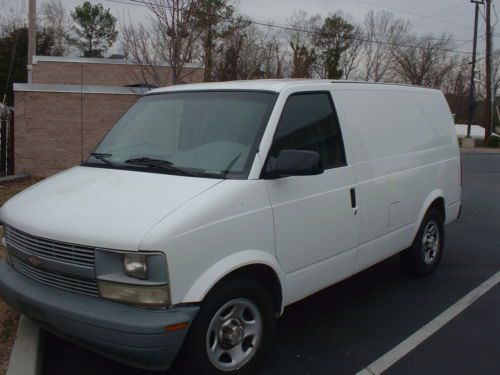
[[309, 122]]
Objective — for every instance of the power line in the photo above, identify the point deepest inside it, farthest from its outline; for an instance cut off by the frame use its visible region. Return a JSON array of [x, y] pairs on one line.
[[424, 4], [290, 28], [413, 14], [126, 3], [496, 15], [450, 8], [142, 3]]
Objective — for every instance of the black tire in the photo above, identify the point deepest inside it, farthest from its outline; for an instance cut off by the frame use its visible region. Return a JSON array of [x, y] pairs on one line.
[[194, 357], [421, 258]]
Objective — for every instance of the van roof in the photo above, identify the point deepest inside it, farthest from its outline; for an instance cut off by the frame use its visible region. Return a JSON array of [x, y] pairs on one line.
[[275, 85]]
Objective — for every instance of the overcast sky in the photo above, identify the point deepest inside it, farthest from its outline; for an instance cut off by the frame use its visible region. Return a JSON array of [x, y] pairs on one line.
[[437, 16]]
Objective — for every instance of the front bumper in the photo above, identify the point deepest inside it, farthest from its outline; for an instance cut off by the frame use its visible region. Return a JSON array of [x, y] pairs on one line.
[[127, 334]]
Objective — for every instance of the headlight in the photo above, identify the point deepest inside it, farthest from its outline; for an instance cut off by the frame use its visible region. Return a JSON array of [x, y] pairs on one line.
[[154, 296], [135, 265], [135, 278]]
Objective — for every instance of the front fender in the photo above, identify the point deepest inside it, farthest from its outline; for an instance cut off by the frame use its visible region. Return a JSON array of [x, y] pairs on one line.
[[226, 266]]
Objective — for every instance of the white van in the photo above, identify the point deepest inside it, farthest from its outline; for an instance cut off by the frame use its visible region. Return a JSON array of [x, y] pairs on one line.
[[209, 208]]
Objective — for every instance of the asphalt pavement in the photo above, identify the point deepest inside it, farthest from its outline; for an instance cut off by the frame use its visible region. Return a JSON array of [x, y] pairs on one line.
[[343, 329]]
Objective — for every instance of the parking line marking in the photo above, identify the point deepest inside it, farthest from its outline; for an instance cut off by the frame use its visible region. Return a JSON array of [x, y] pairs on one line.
[[406, 346]]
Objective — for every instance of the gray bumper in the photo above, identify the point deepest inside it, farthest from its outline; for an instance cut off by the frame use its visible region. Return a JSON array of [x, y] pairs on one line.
[[127, 334]]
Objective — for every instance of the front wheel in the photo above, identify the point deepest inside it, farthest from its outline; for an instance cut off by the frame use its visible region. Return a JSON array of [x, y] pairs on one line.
[[232, 330], [424, 255]]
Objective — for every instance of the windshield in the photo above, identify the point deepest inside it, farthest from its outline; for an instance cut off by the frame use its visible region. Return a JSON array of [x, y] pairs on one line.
[[209, 133]]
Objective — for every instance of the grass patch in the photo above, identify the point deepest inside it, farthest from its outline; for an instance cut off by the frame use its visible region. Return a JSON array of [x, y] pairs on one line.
[[8, 317], [9, 189], [8, 326]]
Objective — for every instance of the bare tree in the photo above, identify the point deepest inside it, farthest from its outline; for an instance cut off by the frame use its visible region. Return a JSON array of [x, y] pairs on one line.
[[227, 54], [496, 71], [456, 88], [457, 81], [425, 60], [139, 44], [213, 19], [302, 60], [248, 52], [13, 16], [54, 19], [253, 55], [481, 86], [353, 56], [239, 56], [303, 28], [480, 90], [383, 33], [302, 41], [174, 20], [273, 55], [232, 47]]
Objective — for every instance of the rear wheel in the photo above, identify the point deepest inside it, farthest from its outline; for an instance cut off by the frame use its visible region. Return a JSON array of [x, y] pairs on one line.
[[424, 255], [232, 330]]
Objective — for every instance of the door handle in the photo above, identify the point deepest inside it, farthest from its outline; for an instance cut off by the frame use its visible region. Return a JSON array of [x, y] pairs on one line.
[[353, 198]]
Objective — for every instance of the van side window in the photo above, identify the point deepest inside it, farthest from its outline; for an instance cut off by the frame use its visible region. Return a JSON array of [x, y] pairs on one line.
[[309, 122]]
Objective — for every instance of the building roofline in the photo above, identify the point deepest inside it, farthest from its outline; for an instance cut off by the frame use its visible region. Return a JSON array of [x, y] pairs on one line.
[[94, 60], [77, 89], [265, 85]]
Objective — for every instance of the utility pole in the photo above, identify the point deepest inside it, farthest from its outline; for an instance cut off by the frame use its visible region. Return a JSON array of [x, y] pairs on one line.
[[488, 113], [472, 101], [31, 37]]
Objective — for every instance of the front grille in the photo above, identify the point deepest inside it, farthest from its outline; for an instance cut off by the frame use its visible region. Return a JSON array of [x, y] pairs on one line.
[[57, 280], [61, 251]]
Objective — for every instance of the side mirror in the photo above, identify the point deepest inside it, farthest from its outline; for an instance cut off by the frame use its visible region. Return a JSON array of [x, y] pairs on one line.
[[294, 163]]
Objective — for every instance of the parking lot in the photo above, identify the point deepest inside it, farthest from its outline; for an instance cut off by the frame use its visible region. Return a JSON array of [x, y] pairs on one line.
[[346, 328]]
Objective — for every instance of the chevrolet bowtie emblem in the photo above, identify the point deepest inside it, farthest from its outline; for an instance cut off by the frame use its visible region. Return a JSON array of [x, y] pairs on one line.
[[35, 261]]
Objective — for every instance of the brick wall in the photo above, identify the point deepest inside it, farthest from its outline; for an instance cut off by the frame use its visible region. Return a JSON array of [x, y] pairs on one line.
[[71, 103], [54, 131], [53, 70]]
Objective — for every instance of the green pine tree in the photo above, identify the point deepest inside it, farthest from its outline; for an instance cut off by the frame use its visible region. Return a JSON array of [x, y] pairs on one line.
[[94, 30]]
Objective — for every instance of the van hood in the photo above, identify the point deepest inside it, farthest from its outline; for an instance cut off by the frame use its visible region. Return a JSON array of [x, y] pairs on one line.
[[100, 207]]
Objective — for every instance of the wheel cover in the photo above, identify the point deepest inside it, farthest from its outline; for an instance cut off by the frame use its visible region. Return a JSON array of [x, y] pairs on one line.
[[234, 334], [430, 242]]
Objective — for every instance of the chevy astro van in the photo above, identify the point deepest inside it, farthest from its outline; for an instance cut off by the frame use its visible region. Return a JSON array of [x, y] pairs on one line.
[[209, 208]]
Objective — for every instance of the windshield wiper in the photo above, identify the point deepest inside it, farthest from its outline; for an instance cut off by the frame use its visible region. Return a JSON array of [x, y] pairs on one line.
[[226, 171], [160, 164], [103, 157], [145, 159]]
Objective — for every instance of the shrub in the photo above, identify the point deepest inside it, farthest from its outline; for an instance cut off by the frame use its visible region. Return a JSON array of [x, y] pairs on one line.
[[494, 141]]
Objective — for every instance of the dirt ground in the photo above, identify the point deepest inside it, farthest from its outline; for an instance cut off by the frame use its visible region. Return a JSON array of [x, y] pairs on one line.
[[9, 317]]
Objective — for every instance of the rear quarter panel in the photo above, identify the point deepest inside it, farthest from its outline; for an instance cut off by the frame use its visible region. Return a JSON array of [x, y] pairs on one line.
[[406, 155]]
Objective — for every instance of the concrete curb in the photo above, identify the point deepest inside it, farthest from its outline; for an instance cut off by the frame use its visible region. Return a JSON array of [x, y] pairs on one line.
[[27, 354], [480, 150], [16, 177]]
